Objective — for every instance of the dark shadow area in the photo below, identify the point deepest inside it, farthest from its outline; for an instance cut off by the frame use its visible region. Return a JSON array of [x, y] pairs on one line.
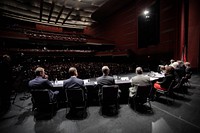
[[43, 114], [109, 111], [23, 116], [182, 98], [142, 109], [168, 102], [77, 114]]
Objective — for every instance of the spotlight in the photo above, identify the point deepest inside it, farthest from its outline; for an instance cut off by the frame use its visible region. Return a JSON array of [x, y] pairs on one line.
[[146, 12]]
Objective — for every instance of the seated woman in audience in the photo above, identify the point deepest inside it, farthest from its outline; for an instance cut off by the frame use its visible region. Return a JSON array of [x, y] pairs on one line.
[[166, 81]]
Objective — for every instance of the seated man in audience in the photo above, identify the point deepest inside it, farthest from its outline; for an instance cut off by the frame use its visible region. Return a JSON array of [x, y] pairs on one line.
[[176, 71], [188, 70], [161, 69], [171, 62], [73, 82], [105, 79], [139, 79], [41, 82]]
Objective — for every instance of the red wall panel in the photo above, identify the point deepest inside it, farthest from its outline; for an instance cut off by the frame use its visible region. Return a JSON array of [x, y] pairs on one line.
[[122, 26], [194, 33], [122, 29]]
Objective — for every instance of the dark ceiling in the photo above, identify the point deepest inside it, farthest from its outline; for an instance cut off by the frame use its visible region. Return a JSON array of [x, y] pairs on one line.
[[64, 13]]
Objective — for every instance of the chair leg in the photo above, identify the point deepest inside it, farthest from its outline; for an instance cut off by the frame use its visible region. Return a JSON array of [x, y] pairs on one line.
[[167, 98], [15, 95], [135, 104], [149, 103]]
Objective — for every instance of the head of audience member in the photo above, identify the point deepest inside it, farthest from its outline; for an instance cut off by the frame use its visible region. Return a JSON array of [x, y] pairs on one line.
[[187, 64], [138, 70], [40, 72], [181, 64], [169, 70], [73, 71], [175, 65], [105, 70], [172, 61], [6, 59], [162, 68]]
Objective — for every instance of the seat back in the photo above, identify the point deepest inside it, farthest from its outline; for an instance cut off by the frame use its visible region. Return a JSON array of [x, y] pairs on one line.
[[75, 97], [142, 93], [41, 99], [109, 94], [179, 84], [41, 96]]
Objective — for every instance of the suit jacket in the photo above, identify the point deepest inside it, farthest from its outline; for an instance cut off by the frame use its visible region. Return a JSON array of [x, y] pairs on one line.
[[139, 79], [73, 83], [105, 80], [41, 83]]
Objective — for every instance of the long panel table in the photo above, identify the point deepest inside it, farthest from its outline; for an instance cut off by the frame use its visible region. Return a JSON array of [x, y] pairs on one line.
[[92, 89]]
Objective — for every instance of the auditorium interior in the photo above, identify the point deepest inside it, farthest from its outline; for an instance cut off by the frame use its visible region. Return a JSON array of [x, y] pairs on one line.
[[90, 34]]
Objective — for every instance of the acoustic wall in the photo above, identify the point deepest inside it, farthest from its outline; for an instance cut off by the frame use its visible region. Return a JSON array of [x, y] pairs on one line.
[[122, 28]]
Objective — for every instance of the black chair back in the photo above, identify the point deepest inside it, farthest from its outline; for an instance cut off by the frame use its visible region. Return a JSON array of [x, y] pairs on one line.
[[142, 93], [42, 100], [141, 97], [109, 94], [40, 96], [76, 98]]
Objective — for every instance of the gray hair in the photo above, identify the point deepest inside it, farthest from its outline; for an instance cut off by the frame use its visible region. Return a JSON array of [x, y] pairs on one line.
[[138, 70], [105, 70]]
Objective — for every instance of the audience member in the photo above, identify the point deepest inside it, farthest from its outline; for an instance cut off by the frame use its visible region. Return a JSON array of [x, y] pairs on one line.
[[6, 82], [181, 67], [188, 70], [40, 82], [139, 79], [176, 74], [171, 61]]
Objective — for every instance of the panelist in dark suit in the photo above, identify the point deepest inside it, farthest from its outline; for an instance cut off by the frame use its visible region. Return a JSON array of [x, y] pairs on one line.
[[73, 82], [41, 82], [139, 79], [105, 79]]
